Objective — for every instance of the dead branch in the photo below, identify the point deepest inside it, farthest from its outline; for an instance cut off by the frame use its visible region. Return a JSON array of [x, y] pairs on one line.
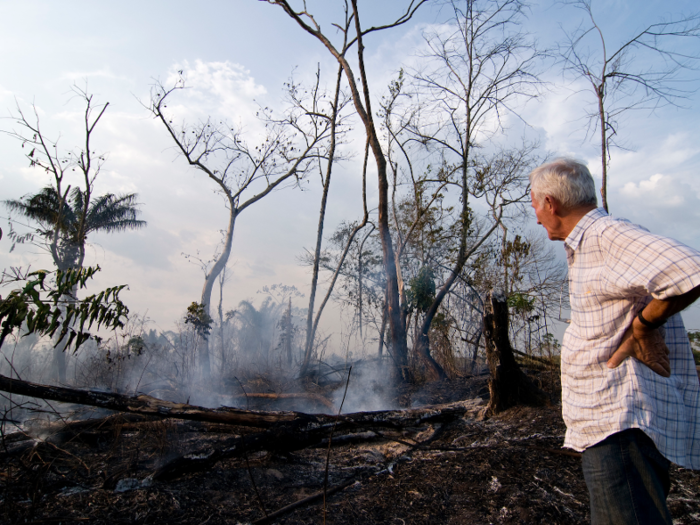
[[288, 431], [546, 363]]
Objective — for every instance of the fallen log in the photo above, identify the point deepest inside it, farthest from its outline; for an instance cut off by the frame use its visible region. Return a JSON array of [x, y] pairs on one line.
[[151, 406], [289, 431]]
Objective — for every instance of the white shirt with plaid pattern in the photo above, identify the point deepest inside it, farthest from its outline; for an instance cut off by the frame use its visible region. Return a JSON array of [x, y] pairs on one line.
[[615, 268]]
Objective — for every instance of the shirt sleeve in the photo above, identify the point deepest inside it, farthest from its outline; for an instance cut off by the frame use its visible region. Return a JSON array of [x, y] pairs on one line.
[[640, 263]]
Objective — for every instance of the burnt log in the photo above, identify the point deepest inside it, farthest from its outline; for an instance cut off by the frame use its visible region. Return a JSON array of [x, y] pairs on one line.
[[151, 406], [508, 385], [287, 438], [287, 431]]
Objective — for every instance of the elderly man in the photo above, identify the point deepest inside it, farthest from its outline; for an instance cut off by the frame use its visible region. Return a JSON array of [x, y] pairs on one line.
[[630, 391]]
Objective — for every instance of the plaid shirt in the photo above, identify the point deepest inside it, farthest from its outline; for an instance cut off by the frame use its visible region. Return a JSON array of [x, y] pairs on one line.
[[615, 268]]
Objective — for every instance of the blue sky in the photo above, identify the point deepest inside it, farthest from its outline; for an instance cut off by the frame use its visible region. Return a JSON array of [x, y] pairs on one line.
[[237, 52]]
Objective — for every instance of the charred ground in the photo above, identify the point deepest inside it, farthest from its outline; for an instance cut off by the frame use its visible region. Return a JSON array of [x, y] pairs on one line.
[[506, 469]]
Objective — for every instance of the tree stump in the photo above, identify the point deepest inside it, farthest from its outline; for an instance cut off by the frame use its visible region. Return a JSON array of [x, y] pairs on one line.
[[508, 385]]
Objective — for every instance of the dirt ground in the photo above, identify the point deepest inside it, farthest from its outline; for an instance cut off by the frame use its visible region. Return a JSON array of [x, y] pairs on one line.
[[507, 469]]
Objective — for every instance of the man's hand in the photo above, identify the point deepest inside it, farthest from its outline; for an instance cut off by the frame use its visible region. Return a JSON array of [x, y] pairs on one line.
[[646, 345]]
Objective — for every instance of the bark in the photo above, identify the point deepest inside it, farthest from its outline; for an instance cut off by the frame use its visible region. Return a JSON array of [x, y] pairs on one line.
[[396, 325], [59, 360], [382, 330], [220, 311], [434, 371], [508, 385]]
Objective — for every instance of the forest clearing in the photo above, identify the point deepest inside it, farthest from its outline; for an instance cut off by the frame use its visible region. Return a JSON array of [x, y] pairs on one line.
[[302, 276]]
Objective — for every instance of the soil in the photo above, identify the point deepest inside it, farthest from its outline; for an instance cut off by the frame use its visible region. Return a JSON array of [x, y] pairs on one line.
[[505, 469]]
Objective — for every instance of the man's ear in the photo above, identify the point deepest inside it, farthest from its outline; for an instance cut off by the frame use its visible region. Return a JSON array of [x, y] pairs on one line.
[[550, 204]]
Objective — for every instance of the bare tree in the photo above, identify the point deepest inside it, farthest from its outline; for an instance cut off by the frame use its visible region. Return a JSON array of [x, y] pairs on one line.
[[478, 68], [313, 320], [325, 167], [353, 34], [244, 174], [644, 71]]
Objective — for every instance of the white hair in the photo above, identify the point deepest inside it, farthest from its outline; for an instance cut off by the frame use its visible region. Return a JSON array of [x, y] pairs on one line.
[[567, 180]]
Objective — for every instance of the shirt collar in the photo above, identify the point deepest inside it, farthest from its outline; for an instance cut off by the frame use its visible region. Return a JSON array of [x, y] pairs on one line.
[[576, 235]]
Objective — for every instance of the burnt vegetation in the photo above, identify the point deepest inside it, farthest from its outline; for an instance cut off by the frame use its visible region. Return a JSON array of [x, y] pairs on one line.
[[442, 463], [439, 399]]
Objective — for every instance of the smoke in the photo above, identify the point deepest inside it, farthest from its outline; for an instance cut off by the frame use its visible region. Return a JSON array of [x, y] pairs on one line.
[[369, 388], [255, 355]]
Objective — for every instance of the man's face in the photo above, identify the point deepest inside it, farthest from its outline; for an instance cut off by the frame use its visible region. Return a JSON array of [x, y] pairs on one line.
[[546, 217]]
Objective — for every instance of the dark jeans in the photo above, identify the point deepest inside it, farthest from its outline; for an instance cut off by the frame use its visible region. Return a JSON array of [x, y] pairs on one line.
[[628, 480]]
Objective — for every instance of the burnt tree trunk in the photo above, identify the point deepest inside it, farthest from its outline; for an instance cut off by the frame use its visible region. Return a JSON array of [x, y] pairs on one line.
[[151, 406], [508, 385], [299, 421]]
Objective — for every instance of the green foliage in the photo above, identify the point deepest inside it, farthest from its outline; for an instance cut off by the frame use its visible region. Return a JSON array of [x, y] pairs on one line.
[[513, 256], [421, 290], [199, 319], [47, 309], [521, 303], [74, 218], [441, 322], [136, 345], [550, 344]]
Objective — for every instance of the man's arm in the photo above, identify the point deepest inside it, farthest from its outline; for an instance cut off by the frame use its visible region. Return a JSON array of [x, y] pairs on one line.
[[645, 343]]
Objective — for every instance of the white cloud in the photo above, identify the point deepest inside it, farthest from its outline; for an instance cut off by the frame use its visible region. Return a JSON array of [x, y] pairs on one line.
[[221, 89], [659, 190], [663, 203]]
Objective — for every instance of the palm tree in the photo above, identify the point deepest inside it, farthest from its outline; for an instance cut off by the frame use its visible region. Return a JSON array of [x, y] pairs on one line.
[[65, 224]]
